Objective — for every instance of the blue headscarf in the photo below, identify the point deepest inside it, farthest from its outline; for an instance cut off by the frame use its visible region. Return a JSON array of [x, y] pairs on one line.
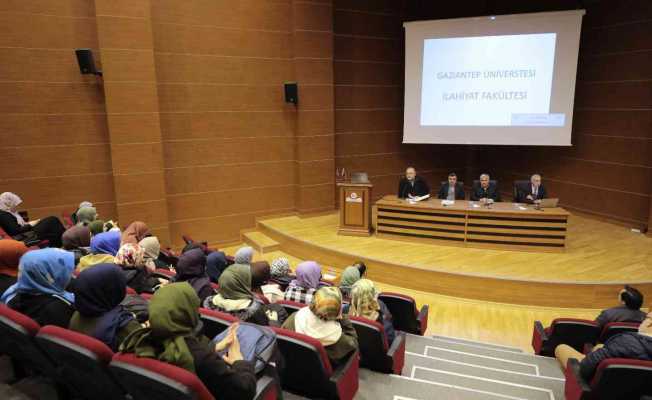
[[98, 293], [44, 271], [106, 243], [216, 263]]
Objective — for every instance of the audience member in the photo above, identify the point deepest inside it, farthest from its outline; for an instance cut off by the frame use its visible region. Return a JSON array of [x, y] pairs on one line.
[[216, 263], [350, 275], [83, 204], [86, 215], [48, 228], [236, 297], [365, 304], [361, 267], [244, 255], [96, 227], [135, 232], [324, 321], [191, 268], [260, 274], [280, 272], [306, 283], [629, 309], [631, 345], [131, 258], [104, 247], [76, 237], [152, 248], [10, 253], [40, 290], [98, 293], [173, 336]]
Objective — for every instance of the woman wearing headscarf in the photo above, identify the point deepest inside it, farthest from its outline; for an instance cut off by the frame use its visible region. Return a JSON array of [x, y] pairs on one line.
[[98, 293], [260, 274], [306, 284], [104, 247], [365, 304], [235, 296], [131, 258], [173, 337], [135, 232], [40, 291], [244, 255], [350, 275], [76, 237], [152, 248], [86, 215], [83, 204], [48, 228], [10, 253], [324, 321], [281, 272], [191, 268], [216, 263], [96, 227]]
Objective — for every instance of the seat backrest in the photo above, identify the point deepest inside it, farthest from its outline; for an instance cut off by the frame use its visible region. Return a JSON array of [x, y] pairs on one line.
[[17, 333], [520, 186], [147, 378], [372, 343], [291, 306], [476, 182], [215, 322], [307, 367], [615, 328], [445, 182], [620, 378], [571, 331], [82, 362], [404, 311]]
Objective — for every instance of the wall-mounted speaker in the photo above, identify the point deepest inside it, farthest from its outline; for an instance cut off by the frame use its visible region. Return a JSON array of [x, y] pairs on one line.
[[86, 62], [291, 93]]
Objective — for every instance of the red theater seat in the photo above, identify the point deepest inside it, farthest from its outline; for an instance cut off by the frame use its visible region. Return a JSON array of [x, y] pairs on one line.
[[215, 322], [404, 311], [615, 328], [375, 353], [82, 362], [615, 378], [291, 306], [308, 371], [573, 332]]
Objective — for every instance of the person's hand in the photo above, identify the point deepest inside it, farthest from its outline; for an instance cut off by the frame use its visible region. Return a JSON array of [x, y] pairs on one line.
[[529, 197], [162, 281], [228, 339], [145, 324], [410, 196], [537, 201], [234, 353], [32, 223]]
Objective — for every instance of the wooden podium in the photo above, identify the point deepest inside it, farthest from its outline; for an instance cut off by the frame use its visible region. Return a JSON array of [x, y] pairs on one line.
[[355, 209]]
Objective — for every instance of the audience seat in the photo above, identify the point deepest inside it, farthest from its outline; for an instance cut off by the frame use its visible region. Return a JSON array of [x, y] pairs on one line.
[[375, 353], [291, 306], [204, 246], [163, 273], [308, 371], [129, 290], [17, 333], [168, 257], [573, 332], [615, 328], [615, 378], [215, 322], [404, 311], [82, 362]]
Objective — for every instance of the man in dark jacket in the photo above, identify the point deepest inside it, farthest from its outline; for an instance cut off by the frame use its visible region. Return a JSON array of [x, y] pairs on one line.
[[635, 346], [452, 190], [534, 191], [412, 185], [486, 190], [629, 309]]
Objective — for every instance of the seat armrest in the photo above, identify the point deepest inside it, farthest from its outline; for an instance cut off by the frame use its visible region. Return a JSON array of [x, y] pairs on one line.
[[588, 347], [163, 273], [539, 337], [397, 353], [345, 377], [575, 386], [422, 317], [266, 388]]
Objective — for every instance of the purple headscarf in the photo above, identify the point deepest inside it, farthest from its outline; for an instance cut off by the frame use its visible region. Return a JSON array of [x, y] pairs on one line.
[[308, 275]]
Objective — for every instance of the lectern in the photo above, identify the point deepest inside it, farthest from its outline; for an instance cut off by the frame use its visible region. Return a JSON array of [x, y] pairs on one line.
[[355, 209]]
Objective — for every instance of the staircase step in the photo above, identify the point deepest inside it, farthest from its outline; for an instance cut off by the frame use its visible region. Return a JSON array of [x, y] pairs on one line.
[[476, 343], [261, 242]]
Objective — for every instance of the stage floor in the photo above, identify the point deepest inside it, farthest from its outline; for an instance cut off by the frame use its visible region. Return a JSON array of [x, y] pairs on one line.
[[599, 257]]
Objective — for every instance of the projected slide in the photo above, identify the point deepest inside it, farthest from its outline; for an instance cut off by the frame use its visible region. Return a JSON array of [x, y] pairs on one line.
[[501, 80]]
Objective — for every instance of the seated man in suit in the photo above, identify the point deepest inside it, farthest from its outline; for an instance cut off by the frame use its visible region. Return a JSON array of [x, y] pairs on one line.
[[534, 191], [452, 190], [485, 191], [412, 185], [629, 309]]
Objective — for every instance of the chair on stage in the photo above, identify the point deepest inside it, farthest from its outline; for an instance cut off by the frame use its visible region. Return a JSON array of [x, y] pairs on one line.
[[405, 316], [570, 331]]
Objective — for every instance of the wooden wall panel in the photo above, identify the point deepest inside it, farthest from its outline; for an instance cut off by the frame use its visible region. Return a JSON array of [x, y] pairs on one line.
[[54, 141]]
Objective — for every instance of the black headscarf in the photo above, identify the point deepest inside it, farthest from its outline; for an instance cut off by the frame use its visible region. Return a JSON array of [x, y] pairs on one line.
[[191, 268], [216, 263]]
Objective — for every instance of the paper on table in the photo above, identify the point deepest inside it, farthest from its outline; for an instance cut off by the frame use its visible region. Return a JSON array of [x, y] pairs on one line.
[[447, 202]]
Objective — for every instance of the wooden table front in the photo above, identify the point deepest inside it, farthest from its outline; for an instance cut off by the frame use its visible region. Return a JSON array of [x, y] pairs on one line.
[[508, 226]]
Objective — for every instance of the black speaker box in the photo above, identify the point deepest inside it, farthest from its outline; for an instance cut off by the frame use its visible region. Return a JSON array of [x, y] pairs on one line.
[[291, 93], [86, 61]]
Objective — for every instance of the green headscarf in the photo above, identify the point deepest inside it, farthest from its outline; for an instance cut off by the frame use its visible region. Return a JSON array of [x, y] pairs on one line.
[[235, 282], [86, 215], [350, 276], [173, 316], [96, 227]]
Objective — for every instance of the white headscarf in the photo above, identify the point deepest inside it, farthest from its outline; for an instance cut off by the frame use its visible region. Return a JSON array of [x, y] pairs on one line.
[[8, 202], [244, 255], [307, 323]]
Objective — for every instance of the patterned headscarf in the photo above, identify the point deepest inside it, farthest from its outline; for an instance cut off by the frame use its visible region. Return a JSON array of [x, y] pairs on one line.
[[364, 300], [76, 237], [280, 268], [130, 256], [327, 303], [8, 202], [135, 232], [86, 215], [308, 275], [244, 255]]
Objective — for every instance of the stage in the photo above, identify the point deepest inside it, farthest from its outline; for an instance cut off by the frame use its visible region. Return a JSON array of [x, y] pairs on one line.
[[599, 258]]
